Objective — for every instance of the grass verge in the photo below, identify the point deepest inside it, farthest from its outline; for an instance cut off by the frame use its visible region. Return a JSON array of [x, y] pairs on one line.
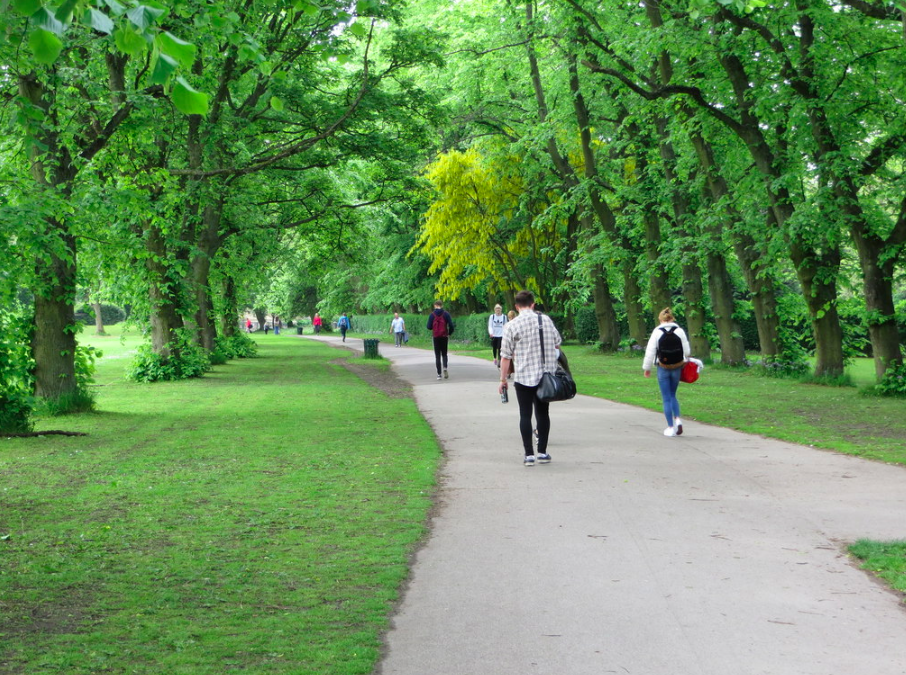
[[885, 559], [259, 519]]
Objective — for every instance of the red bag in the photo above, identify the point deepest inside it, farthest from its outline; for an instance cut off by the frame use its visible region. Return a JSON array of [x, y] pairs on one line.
[[690, 372]]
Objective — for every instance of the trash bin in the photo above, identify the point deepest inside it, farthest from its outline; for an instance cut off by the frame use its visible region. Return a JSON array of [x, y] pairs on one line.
[[371, 349], [299, 329]]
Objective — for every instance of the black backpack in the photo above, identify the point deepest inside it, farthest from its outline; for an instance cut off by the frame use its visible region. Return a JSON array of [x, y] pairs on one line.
[[669, 348]]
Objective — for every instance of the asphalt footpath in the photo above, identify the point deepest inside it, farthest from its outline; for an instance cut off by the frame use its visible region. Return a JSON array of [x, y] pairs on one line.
[[713, 553]]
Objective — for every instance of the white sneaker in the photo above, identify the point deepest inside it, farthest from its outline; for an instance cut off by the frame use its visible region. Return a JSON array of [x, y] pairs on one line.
[[438, 377], [669, 431], [678, 426], [446, 374]]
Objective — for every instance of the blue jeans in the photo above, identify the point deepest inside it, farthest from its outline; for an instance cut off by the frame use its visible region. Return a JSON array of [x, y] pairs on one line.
[[668, 381]]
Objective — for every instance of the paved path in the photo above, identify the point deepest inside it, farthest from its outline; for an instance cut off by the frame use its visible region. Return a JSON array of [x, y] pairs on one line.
[[714, 553]]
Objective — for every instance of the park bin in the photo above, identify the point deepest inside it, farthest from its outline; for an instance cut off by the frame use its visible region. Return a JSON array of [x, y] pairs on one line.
[[371, 349], [299, 329]]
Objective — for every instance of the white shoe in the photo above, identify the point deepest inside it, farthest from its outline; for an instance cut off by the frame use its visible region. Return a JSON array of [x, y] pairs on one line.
[[678, 426], [438, 377], [669, 431]]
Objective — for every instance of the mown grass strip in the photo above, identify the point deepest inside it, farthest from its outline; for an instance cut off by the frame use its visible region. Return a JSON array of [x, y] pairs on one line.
[[258, 519], [884, 559]]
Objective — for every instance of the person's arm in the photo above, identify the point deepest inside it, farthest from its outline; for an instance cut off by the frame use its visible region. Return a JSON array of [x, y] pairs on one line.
[[491, 325], [650, 353], [450, 325], [431, 321]]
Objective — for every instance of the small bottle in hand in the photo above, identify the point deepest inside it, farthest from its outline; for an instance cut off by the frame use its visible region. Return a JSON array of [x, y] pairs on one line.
[[504, 395]]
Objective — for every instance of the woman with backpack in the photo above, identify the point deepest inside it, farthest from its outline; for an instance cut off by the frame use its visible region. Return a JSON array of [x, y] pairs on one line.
[[668, 346]]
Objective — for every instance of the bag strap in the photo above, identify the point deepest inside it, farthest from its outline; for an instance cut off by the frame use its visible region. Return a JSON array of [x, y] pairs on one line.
[[541, 337]]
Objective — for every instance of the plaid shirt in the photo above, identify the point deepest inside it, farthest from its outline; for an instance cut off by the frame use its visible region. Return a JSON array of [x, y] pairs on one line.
[[522, 343]]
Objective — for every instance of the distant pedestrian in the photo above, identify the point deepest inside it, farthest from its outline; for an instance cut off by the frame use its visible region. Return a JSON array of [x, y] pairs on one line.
[[522, 345], [398, 328], [668, 347], [440, 323], [267, 327], [248, 325], [510, 315], [496, 322], [278, 324], [344, 325], [316, 322]]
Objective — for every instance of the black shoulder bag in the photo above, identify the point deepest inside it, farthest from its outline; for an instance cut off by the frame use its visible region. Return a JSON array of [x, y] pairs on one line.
[[558, 385]]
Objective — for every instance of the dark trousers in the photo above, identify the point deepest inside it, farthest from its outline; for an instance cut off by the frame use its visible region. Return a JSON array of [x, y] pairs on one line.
[[528, 402], [495, 346], [343, 332], [440, 352]]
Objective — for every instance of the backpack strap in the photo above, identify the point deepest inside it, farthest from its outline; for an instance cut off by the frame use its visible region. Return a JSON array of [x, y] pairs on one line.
[[541, 337]]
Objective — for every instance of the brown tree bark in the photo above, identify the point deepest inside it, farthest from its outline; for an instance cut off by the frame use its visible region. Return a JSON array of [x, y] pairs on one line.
[[98, 319]]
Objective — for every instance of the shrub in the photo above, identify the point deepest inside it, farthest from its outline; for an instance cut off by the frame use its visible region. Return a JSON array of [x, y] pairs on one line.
[[110, 314], [894, 381], [238, 346], [16, 400], [186, 360]]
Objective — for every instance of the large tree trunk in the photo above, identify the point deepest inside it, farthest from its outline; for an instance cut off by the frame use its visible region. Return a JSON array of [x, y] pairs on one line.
[[53, 342], [754, 269], [658, 290], [165, 304], [209, 242], [230, 315], [877, 285], [635, 308], [608, 328]]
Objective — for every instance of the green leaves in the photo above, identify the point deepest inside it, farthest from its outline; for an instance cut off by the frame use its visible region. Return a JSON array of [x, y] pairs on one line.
[[181, 51], [98, 21], [26, 7], [277, 103], [45, 46], [128, 41], [187, 100]]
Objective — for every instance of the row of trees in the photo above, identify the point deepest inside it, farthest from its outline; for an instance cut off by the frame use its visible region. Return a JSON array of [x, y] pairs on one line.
[[173, 175], [704, 154], [190, 158]]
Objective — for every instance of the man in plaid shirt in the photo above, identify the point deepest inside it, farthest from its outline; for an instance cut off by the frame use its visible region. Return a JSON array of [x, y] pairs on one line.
[[522, 346]]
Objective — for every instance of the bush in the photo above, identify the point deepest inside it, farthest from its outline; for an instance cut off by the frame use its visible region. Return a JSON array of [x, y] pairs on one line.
[[894, 381], [238, 346], [16, 400], [110, 314], [186, 360], [587, 326]]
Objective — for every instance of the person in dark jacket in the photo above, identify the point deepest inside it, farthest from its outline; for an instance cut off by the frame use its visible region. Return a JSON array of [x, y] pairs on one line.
[[440, 323]]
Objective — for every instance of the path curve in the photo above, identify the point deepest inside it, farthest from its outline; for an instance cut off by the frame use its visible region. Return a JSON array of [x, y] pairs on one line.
[[714, 553]]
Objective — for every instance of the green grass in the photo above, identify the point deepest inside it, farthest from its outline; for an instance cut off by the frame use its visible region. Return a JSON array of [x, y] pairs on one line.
[[259, 519], [886, 560]]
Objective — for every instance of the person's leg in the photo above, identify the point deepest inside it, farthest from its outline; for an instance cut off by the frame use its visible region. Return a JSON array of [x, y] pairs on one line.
[[495, 347], [668, 393], [526, 398], [543, 421], [444, 344], [674, 387], [437, 354]]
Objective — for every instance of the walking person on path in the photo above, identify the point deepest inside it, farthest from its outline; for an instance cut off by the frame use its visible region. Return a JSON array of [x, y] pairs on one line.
[[344, 325], [248, 325], [316, 322], [668, 346], [440, 323], [522, 345], [398, 328], [496, 322]]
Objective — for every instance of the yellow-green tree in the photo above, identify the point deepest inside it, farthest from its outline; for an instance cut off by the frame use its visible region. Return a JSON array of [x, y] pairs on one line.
[[481, 229]]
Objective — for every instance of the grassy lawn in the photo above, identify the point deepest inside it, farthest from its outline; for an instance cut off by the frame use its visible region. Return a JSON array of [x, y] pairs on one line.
[[886, 560], [259, 519]]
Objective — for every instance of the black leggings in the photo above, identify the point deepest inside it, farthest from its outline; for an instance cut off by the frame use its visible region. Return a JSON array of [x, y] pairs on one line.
[[495, 346], [527, 402], [440, 352]]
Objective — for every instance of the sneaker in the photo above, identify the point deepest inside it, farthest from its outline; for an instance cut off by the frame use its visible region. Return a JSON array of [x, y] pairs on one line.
[[669, 431], [678, 425], [438, 377], [496, 364], [446, 374], [544, 458], [529, 460]]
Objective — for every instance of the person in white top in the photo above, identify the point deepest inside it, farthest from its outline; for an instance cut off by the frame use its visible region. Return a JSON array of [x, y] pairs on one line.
[[668, 347], [398, 328], [496, 323]]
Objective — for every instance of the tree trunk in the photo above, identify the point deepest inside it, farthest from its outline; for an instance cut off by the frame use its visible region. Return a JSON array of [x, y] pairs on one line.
[[53, 342], [165, 304], [209, 242], [658, 291], [635, 308], [230, 309], [755, 270], [608, 328], [694, 300], [98, 319], [877, 286], [817, 275], [261, 315]]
